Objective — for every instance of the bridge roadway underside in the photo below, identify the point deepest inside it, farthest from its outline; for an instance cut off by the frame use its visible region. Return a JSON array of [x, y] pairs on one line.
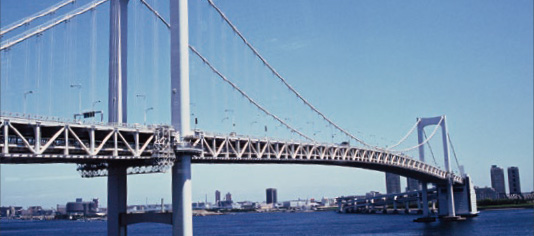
[[145, 161], [378, 167]]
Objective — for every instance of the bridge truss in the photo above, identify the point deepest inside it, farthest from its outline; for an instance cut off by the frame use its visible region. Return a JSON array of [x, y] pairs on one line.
[[147, 149]]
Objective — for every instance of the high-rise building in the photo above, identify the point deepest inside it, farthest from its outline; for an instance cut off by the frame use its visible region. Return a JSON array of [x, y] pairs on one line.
[[217, 196], [412, 184], [271, 195], [393, 184], [513, 180], [228, 197], [497, 180]]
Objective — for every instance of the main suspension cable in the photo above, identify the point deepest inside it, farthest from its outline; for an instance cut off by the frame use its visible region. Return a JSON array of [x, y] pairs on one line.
[[234, 28], [453, 152], [36, 16], [428, 139], [150, 8], [247, 96], [430, 148], [405, 136], [40, 29]]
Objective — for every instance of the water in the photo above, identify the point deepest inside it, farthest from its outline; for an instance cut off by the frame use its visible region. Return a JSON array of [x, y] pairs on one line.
[[493, 222]]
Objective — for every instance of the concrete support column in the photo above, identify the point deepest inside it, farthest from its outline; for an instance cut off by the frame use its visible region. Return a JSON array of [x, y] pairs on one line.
[[450, 192], [182, 212], [117, 198], [450, 199], [424, 192]]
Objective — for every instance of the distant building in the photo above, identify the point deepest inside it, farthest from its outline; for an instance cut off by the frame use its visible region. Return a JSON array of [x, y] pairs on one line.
[[497, 180], [200, 206], [228, 197], [412, 185], [372, 194], [217, 197], [486, 193], [271, 195], [393, 184], [82, 208], [10, 211], [513, 180], [248, 205], [61, 209]]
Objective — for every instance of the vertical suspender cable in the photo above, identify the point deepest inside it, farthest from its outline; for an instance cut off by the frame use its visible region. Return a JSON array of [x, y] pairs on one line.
[[93, 56], [453, 152], [50, 71], [155, 60], [430, 148]]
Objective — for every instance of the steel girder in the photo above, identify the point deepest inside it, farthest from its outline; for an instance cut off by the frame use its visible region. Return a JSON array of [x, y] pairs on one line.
[[240, 149], [149, 149]]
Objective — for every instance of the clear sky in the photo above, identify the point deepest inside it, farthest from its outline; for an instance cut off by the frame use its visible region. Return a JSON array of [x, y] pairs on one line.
[[372, 66]]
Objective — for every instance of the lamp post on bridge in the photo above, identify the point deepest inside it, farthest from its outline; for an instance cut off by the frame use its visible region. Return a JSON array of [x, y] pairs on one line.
[[94, 103], [25, 97], [93, 107], [146, 111], [144, 105], [228, 117]]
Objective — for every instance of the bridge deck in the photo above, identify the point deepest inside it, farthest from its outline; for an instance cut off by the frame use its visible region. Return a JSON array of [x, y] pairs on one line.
[[96, 145]]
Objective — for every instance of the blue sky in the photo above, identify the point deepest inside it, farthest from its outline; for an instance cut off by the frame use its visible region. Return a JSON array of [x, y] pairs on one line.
[[372, 66]]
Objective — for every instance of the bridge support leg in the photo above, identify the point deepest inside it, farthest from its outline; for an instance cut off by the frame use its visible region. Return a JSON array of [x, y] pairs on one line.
[[182, 212], [424, 193], [117, 192], [450, 199]]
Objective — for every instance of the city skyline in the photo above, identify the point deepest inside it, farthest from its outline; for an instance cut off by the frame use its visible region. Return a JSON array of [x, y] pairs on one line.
[[388, 63]]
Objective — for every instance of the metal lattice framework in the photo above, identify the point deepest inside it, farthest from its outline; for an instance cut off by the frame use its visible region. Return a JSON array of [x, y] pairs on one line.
[[241, 149], [148, 149]]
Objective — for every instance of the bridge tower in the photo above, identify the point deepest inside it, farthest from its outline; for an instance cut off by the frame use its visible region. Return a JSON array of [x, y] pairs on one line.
[[441, 121], [117, 109], [421, 124], [182, 216], [453, 198]]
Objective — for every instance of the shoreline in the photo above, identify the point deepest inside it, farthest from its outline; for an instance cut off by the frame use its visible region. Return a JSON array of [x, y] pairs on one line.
[[505, 207]]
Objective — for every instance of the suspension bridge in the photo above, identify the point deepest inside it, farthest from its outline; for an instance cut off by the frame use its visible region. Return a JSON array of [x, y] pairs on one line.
[[117, 147]]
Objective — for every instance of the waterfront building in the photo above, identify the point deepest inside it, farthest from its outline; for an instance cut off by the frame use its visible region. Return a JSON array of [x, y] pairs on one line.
[[513, 180], [271, 195], [497, 180], [412, 185], [485, 193], [82, 208], [393, 184], [200, 206], [11, 211], [228, 197]]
